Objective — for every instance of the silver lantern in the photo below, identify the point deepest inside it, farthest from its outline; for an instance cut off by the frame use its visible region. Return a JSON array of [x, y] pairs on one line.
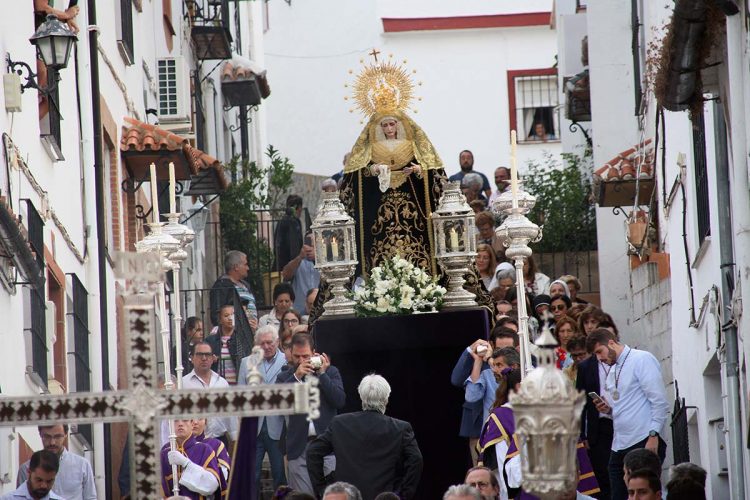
[[335, 251], [547, 410], [455, 243]]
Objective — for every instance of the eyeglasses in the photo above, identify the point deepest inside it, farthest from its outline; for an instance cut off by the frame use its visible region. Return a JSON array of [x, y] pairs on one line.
[[286, 345], [53, 437], [478, 484], [291, 321], [578, 355], [561, 307], [203, 355]]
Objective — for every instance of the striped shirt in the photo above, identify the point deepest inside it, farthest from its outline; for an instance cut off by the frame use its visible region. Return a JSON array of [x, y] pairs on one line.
[[226, 362]]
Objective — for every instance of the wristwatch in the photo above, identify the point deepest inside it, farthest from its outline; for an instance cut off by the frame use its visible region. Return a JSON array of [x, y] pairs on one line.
[[653, 434]]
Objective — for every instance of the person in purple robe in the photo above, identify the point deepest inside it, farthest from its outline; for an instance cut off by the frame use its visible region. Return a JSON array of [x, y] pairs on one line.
[[222, 456], [499, 429], [197, 468]]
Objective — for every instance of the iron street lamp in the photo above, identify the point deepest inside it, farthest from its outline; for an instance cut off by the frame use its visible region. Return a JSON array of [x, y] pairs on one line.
[[53, 41]]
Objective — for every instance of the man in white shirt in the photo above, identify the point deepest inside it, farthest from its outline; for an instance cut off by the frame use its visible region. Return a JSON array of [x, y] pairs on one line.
[[202, 377], [637, 402], [43, 468], [502, 181], [75, 479]]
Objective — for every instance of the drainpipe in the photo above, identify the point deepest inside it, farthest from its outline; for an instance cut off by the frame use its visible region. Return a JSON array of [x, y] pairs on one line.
[[100, 230], [730, 365]]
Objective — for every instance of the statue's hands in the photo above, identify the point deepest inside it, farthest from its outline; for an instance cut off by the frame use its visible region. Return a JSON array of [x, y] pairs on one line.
[[376, 169], [413, 168]]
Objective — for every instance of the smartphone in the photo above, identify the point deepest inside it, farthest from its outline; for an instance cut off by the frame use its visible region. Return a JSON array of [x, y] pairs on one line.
[[595, 397]]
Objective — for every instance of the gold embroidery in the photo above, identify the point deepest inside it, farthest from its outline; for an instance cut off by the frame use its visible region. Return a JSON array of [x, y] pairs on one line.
[[398, 219]]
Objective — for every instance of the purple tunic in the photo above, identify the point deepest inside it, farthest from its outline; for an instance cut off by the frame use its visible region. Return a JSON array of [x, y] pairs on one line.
[[500, 426], [222, 457], [198, 453]]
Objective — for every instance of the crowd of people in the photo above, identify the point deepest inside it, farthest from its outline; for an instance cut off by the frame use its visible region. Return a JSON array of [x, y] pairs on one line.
[[368, 454]]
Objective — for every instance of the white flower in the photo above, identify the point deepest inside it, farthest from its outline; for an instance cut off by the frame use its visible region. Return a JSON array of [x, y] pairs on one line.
[[406, 303], [382, 305]]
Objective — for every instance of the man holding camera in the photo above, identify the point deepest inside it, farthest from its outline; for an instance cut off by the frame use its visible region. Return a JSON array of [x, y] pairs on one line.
[[307, 363]]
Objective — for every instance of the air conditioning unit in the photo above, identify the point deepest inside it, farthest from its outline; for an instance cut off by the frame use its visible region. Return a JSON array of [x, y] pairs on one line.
[[173, 79]]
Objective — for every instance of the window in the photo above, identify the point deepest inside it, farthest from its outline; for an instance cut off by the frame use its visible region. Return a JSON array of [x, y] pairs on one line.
[[36, 325], [533, 104], [49, 118], [200, 113], [703, 210], [80, 354], [125, 31], [173, 91]]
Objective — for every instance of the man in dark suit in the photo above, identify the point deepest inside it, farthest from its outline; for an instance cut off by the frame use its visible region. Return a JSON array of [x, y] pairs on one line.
[[596, 428], [300, 432], [374, 452]]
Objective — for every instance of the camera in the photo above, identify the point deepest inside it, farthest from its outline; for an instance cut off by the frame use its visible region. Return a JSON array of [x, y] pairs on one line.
[[316, 362]]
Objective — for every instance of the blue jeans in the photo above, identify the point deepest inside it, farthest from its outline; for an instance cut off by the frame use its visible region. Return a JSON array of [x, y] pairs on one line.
[[271, 446]]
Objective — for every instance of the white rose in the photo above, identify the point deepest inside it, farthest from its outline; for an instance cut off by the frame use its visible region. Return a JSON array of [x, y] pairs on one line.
[[382, 305]]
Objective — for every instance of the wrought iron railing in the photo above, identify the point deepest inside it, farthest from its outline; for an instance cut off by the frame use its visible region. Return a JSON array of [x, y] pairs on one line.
[[38, 309], [679, 425], [583, 264], [81, 355]]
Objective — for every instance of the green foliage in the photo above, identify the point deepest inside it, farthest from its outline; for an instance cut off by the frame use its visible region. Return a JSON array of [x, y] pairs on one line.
[[562, 188], [257, 188]]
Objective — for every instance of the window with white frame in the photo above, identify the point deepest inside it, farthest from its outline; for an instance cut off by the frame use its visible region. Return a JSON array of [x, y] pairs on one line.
[[533, 96]]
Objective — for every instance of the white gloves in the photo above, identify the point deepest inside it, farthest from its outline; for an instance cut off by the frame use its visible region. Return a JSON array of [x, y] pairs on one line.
[[176, 458]]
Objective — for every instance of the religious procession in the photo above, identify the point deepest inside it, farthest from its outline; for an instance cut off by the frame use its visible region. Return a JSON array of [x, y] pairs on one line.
[[216, 291]]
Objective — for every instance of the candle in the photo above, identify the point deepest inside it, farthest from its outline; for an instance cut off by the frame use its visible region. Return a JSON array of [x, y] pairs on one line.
[[334, 249], [454, 240], [172, 200], [154, 195], [513, 169]]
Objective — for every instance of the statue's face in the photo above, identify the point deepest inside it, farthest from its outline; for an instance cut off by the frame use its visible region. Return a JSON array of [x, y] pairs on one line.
[[389, 127]]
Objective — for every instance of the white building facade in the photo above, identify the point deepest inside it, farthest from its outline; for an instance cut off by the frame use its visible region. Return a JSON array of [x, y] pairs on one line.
[[160, 92], [677, 291]]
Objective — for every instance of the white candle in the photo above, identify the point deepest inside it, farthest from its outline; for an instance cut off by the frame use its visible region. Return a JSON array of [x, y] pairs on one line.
[[172, 199], [513, 169], [454, 239], [154, 195], [334, 249]]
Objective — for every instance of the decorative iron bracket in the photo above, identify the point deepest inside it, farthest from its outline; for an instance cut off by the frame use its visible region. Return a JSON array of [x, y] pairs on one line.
[[19, 67], [575, 127]]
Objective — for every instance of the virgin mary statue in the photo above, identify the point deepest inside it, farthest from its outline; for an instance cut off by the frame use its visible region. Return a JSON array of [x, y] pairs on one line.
[[393, 178]]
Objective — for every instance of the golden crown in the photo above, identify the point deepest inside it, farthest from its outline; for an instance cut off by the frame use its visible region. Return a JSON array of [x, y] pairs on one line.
[[382, 87]]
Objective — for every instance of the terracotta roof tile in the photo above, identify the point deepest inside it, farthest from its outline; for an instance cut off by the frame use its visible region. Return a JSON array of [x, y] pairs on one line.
[[628, 164], [140, 136]]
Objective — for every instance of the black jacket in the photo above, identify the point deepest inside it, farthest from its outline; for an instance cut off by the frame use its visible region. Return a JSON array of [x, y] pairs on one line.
[[215, 342], [587, 380], [222, 293], [374, 452], [332, 399]]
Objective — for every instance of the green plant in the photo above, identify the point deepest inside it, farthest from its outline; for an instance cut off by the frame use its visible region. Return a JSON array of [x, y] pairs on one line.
[[562, 188], [256, 189]]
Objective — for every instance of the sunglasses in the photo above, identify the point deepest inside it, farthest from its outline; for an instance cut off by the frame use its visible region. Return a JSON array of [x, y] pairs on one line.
[[203, 355], [561, 307]]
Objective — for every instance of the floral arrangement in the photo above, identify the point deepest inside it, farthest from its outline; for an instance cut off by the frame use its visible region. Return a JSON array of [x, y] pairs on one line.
[[398, 287]]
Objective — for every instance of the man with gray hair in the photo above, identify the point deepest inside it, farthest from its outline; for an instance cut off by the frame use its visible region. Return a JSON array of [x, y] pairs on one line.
[[462, 492], [232, 289], [270, 427], [342, 491], [374, 452]]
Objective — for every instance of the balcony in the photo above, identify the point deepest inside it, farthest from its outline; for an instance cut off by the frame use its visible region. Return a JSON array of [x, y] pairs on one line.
[[209, 28], [243, 83]]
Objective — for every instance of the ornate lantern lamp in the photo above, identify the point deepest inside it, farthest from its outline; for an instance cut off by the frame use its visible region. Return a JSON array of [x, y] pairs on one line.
[[455, 242], [547, 410], [53, 40], [335, 251]]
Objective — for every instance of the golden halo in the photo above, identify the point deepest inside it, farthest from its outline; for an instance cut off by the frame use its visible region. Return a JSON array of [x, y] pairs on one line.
[[382, 87]]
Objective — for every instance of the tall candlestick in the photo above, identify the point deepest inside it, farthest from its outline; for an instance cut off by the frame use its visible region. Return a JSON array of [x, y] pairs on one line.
[[334, 249], [454, 239], [172, 200], [154, 195], [513, 169]]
